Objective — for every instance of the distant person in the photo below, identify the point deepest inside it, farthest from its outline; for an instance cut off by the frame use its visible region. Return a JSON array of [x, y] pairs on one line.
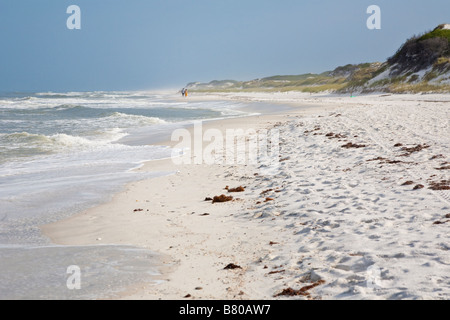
[[183, 91]]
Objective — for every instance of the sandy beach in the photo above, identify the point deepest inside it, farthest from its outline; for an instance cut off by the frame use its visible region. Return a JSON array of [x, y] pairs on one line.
[[358, 206]]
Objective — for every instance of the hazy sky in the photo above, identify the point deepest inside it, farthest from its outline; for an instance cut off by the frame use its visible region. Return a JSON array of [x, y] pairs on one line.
[[150, 44]]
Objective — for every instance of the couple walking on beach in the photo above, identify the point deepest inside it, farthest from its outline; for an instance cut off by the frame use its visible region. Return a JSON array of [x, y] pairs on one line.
[[184, 92]]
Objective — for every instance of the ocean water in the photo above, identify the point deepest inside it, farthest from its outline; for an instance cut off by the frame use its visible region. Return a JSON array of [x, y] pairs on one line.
[[61, 153]]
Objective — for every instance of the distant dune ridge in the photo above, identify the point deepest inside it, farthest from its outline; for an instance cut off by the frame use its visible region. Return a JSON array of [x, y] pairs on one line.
[[421, 64]]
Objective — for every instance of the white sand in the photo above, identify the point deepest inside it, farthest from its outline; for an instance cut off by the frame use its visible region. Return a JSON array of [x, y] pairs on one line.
[[335, 217]]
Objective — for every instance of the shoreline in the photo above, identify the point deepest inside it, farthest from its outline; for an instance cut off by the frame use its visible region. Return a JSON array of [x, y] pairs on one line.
[[73, 230], [198, 239]]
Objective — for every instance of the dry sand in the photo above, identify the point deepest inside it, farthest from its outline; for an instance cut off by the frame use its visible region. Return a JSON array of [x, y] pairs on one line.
[[344, 222]]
